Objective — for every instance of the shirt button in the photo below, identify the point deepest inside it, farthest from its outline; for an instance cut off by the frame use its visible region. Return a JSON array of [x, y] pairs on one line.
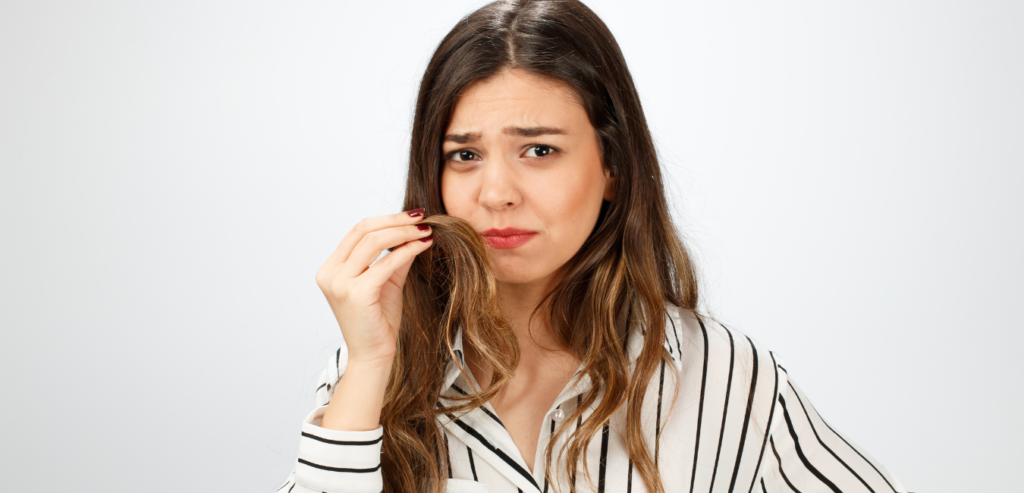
[[557, 415]]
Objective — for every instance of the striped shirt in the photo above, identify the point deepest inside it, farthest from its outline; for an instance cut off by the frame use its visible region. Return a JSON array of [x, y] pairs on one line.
[[731, 421]]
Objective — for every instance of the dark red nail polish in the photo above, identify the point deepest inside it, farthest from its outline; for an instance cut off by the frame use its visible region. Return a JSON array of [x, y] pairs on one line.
[[422, 227], [416, 212], [427, 238]]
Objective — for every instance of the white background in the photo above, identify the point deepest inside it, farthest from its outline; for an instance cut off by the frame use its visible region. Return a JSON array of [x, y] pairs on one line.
[[848, 174]]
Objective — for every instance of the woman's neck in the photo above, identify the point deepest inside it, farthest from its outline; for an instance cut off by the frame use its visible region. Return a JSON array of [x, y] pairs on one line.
[[540, 353], [519, 301]]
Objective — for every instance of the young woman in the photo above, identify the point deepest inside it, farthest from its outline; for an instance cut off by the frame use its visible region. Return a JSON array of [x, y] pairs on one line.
[[564, 352]]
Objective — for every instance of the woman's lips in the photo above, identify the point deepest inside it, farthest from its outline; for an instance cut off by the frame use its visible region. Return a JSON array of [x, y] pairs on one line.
[[504, 239]]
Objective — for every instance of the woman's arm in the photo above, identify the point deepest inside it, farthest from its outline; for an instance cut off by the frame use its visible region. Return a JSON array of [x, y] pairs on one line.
[[332, 460], [339, 449], [805, 454]]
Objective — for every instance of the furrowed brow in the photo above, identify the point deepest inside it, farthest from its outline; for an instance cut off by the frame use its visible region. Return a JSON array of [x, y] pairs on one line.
[[462, 138], [532, 131]]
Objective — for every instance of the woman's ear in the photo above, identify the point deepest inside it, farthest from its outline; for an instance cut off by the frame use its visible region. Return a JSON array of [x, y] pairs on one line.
[[609, 185]]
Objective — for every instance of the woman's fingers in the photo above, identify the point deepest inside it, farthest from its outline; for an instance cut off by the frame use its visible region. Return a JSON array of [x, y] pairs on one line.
[[369, 225], [396, 262], [365, 306], [370, 246]]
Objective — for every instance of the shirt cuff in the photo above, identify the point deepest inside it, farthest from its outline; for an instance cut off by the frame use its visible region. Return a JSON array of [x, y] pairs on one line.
[[333, 460]]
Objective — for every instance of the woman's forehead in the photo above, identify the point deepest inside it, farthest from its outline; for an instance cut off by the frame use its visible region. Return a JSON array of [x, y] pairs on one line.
[[516, 99]]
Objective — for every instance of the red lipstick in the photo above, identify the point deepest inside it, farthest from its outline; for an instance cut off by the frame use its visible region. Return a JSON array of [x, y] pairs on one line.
[[503, 239]]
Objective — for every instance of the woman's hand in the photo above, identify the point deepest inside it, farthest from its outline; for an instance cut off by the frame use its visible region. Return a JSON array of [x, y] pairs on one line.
[[367, 299]]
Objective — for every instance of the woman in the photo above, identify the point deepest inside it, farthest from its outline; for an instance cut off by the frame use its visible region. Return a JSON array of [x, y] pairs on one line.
[[565, 354]]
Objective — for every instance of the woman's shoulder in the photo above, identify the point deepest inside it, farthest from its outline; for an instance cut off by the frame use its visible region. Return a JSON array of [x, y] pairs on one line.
[[721, 355], [756, 410]]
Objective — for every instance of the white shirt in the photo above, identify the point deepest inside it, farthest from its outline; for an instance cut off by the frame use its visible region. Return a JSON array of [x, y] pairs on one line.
[[732, 422]]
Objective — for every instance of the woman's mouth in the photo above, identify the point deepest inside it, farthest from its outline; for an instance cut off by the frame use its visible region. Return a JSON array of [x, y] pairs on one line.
[[504, 239]]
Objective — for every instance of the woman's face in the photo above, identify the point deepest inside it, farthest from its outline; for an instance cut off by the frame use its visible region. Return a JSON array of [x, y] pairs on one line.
[[520, 153]]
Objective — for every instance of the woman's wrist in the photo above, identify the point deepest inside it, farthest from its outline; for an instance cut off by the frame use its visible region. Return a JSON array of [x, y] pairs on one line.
[[370, 364], [358, 398]]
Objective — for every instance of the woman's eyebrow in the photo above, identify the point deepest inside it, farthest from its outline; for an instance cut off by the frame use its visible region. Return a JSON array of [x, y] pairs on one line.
[[468, 137], [462, 138], [532, 131]]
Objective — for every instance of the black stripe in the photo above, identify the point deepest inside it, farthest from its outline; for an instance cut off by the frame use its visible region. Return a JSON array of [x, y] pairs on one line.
[[337, 362], [579, 422], [800, 452], [700, 408], [447, 453], [484, 409], [629, 478], [549, 440], [675, 332], [857, 451], [779, 461], [604, 459], [342, 442], [768, 427], [320, 387], [746, 418], [725, 408], [502, 455], [763, 489], [809, 422], [472, 466], [291, 488], [338, 469], [657, 422]]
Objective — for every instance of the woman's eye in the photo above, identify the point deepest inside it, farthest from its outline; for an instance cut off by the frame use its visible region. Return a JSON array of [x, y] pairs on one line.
[[463, 156], [539, 151]]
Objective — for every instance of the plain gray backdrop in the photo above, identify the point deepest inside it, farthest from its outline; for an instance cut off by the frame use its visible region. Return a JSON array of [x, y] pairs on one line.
[[848, 174]]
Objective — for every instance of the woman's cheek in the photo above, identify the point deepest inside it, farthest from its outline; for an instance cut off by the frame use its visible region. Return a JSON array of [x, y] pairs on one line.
[[561, 194], [456, 193]]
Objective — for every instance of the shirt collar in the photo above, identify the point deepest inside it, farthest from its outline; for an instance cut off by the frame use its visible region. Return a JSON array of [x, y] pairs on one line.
[[674, 335], [673, 338], [452, 373], [634, 345]]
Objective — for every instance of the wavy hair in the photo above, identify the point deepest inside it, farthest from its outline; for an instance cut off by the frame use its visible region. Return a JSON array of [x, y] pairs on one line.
[[630, 266]]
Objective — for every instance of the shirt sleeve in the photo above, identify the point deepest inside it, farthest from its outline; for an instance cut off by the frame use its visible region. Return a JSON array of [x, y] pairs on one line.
[[805, 454], [334, 461]]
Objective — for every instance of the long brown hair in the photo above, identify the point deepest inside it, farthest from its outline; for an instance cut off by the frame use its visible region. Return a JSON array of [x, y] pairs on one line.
[[630, 266]]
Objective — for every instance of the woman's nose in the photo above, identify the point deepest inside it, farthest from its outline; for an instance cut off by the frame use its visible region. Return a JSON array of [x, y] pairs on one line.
[[499, 189]]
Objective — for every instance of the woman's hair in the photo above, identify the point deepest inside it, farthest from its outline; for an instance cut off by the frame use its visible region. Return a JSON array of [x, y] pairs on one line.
[[630, 266]]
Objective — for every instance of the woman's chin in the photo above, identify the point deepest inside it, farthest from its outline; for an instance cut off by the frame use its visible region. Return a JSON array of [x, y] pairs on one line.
[[513, 277], [515, 273], [521, 271]]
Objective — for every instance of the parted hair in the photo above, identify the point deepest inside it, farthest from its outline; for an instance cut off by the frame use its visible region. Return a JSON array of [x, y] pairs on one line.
[[630, 266]]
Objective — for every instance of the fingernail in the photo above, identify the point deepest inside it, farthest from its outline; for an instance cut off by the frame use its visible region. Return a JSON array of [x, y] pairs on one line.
[[416, 212], [422, 227], [427, 238]]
